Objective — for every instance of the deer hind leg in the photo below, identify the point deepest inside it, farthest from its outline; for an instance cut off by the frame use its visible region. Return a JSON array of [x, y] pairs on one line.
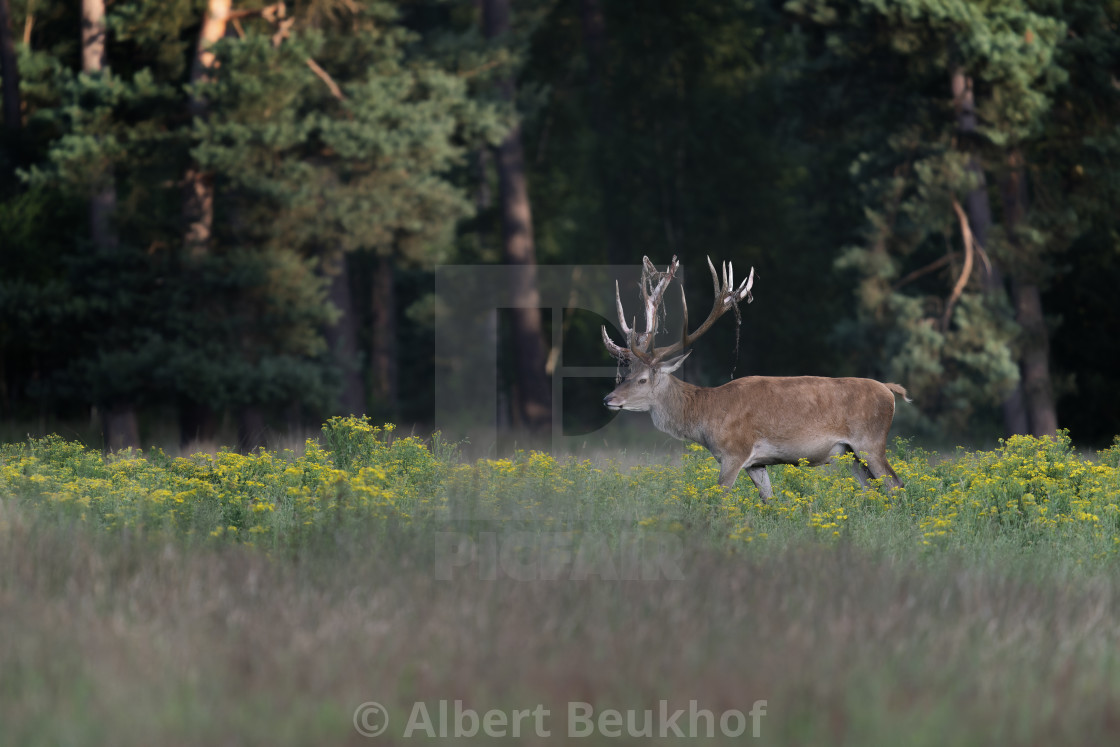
[[761, 479], [859, 469], [880, 467]]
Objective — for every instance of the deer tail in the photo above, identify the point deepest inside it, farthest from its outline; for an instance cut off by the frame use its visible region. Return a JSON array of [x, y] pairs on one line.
[[899, 390]]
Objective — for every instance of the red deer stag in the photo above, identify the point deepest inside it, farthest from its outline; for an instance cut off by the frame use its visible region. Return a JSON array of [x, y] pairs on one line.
[[751, 422]]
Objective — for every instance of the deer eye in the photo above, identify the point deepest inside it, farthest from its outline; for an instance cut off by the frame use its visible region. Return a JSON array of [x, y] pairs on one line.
[[642, 381]]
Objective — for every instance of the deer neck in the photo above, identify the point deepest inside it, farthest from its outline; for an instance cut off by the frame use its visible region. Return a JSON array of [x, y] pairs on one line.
[[675, 412]]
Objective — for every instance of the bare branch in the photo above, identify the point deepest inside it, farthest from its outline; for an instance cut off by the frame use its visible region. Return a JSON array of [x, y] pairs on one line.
[[936, 264], [269, 13], [326, 78], [966, 271], [490, 65]]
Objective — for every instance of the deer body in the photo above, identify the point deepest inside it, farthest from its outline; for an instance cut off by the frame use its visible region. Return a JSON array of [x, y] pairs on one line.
[[755, 421]]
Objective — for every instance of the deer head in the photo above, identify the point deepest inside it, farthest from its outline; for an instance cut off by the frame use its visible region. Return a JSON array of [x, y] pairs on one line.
[[650, 366]]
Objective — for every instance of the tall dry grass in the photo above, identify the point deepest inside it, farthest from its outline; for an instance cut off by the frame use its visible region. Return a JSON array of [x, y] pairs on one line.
[[124, 639]]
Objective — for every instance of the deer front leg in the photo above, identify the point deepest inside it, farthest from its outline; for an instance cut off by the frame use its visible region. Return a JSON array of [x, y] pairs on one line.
[[728, 471]]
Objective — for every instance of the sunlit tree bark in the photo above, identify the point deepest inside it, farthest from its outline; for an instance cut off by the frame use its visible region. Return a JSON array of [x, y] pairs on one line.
[[120, 426], [197, 420], [198, 186]]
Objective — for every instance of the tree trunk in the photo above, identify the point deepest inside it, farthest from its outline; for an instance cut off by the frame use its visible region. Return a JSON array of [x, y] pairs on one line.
[[342, 337], [532, 391], [93, 35], [251, 429], [9, 69], [119, 422], [104, 201], [595, 44], [198, 211], [383, 357], [119, 426], [483, 200], [198, 426], [594, 30], [1015, 417], [198, 422], [1034, 361], [198, 185], [979, 209]]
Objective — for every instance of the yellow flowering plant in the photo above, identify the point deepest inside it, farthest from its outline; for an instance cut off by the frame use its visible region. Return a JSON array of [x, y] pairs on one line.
[[1027, 493]]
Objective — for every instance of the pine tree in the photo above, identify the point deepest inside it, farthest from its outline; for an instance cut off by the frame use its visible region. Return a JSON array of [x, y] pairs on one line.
[[317, 134], [955, 348]]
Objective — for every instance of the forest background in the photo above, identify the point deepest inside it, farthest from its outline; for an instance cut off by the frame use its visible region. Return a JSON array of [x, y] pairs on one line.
[[229, 214]]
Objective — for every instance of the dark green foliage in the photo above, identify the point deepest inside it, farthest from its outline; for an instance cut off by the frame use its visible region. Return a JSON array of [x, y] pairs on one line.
[[884, 71], [687, 150], [339, 136], [814, 139]]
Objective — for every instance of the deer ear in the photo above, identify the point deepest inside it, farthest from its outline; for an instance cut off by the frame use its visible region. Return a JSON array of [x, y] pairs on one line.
[[673, 363]]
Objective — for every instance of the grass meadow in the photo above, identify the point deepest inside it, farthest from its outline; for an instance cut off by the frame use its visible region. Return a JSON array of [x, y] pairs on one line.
[[229, 599]]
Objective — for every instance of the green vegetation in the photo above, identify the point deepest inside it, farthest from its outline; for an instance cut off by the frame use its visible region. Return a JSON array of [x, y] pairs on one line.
[[262, 597], [1029, 494]]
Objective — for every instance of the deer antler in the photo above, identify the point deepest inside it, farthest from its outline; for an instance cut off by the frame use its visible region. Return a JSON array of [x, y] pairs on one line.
[[654, 283], [727, 296], [640, 344]]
